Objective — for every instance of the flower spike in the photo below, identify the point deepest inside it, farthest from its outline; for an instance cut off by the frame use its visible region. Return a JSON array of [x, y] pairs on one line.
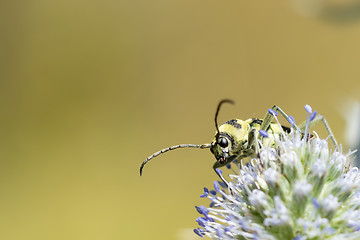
[[299, 189]]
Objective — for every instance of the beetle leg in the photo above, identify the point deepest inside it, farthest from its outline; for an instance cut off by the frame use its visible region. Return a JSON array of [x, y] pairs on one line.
[[253, 140], [269, 118], [316, 120]]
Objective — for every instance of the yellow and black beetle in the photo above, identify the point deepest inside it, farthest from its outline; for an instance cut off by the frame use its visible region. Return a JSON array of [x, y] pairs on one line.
[[238, 139]]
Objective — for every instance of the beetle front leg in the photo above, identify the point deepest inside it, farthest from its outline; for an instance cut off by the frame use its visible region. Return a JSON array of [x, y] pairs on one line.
[[219, 165]]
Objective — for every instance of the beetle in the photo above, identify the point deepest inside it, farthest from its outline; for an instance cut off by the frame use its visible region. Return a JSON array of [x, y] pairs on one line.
[[239, 139]]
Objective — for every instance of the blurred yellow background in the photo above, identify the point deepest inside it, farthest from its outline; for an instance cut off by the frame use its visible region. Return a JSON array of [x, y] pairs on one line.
[[89, 89]]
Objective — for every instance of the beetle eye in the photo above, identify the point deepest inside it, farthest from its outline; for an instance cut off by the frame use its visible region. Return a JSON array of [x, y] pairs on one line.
[[223, 142]]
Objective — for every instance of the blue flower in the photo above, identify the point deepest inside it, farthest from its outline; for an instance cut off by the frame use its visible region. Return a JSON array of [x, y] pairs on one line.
[[300, 189]]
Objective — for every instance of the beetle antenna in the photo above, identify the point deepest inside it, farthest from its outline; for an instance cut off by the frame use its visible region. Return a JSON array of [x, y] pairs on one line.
[[217, 113], [202, 146]]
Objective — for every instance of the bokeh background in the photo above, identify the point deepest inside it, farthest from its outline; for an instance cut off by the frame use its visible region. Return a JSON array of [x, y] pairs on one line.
[[89, 89]]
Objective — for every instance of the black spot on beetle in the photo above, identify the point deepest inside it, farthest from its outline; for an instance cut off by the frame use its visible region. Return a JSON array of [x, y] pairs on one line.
[[234, 123], [286, 129], [256, 121]]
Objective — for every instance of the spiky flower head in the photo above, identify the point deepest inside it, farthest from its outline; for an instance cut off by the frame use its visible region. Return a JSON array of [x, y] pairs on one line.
[[300, 189]]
